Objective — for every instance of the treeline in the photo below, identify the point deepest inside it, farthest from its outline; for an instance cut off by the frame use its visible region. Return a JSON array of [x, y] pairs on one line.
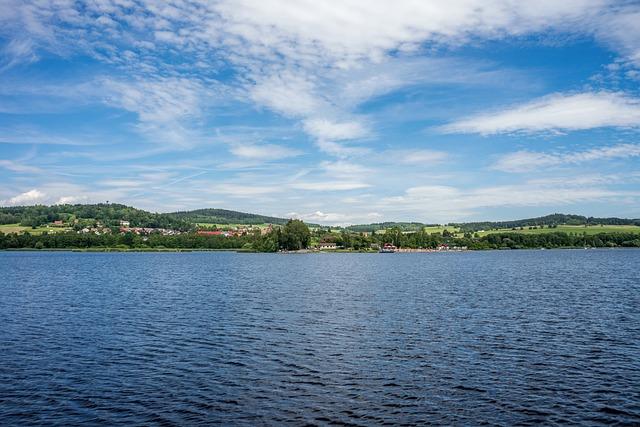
[[121, 241], [509, 240], [295, 235], [109, 214], [548, 220], [557, 240]]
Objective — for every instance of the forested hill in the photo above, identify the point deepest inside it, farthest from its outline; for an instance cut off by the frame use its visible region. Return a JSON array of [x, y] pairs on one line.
[[548, 220], [224, 216], [109, 214]]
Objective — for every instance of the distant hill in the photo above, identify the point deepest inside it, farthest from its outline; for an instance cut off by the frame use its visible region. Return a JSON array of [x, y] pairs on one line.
[[548, 220], [224, 216], [109, 214], [404, 226]]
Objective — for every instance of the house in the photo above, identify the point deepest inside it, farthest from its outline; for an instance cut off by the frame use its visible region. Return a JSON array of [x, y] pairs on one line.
[[209, 233], [58, 222], [266, 230], [124, 223], [327, 246]]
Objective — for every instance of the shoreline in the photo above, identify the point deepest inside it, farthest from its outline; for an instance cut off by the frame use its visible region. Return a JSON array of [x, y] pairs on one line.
[[300, 252]]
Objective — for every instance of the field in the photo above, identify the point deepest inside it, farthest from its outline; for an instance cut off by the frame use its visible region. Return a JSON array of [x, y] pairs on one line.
[[16, 228], [440, 229], [576, 229]]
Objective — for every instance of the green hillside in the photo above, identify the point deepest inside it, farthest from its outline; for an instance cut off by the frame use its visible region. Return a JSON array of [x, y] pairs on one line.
[[108, 214], [224, 216], [548, 220]]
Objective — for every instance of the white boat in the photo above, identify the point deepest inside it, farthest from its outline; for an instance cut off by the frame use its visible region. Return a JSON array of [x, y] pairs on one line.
[[387, 248]]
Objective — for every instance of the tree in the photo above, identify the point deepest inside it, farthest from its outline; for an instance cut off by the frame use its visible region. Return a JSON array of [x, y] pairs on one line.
[[394, 236], [266, 243], [295, 235]]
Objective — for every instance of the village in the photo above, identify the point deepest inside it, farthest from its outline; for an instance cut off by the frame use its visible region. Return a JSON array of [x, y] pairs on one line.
[[390, 248], [324, 243]]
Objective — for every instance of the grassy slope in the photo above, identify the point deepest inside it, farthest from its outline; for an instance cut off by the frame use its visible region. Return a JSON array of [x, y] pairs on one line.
[[16, 228], [441, 229], [577, 229]]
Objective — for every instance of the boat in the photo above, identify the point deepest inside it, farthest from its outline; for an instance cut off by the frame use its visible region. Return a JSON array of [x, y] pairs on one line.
[[387, 248]]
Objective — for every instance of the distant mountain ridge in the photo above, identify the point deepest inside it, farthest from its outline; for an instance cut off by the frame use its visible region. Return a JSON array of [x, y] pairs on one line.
[[225, 216], [547, 220]]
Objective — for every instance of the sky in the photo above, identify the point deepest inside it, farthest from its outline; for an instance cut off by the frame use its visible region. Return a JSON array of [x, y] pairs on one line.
[[335, 112]]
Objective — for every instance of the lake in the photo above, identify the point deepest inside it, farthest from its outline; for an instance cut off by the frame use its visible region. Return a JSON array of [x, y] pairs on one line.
[[499, 337]]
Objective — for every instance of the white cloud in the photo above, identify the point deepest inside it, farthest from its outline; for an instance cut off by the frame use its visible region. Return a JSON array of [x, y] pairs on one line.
[[342, 32], [418, 157], [166, 107], [240, 190], [19, 167], [264, 151], [288, 56], [287, 93], [343, 168], [526, 161], [324, 129], [447, 203], [70, 200], [556, 113], [328, 132], [334, 218], [329, 185], [27, 198], [162, 99], [340, 150], [621, 30], [18, 51]]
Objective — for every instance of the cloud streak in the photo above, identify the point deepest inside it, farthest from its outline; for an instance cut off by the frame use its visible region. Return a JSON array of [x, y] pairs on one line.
[[556, 113], [527, 161]]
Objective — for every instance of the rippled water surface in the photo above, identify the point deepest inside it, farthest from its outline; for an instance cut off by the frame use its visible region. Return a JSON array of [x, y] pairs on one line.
[[199, 338]]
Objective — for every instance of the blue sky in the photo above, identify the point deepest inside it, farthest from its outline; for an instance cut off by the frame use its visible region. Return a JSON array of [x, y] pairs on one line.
[[334, 112]]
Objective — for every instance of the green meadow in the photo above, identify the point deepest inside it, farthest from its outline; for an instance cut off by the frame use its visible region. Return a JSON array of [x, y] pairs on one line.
[[575, 229], [17, 228]]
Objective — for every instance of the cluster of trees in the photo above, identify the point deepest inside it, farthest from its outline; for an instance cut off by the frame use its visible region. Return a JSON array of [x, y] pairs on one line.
[[295, 235]]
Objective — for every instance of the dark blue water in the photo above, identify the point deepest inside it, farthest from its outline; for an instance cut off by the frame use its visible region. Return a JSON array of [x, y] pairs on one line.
[[520, 337]]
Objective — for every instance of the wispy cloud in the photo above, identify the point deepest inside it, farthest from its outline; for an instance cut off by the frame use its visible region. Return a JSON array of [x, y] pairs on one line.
[[19, 167], [335, 218], [264, 152], [330, 185], [556, 113], [444, 203], [526, 161]]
